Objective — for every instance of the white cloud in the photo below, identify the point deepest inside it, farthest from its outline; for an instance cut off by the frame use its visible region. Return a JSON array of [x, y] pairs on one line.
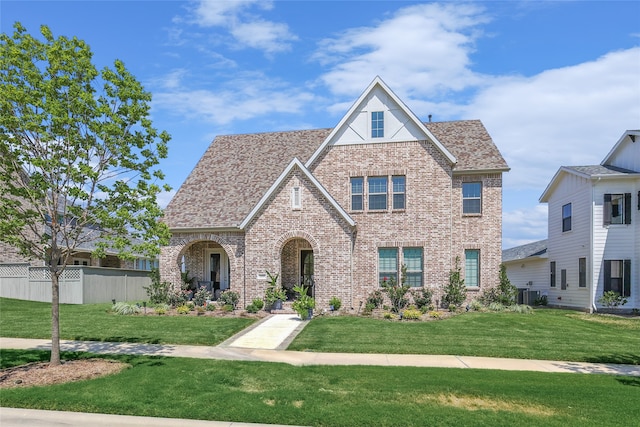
[[421, 50], [164, 197], [527, 224], [244, 98], [567, 116], [246, 28]]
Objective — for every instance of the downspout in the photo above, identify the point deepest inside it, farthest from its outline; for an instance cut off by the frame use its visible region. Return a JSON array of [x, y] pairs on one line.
[[594, 280]]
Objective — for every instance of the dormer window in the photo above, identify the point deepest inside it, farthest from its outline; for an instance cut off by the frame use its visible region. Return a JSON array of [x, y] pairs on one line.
[[377, 124]]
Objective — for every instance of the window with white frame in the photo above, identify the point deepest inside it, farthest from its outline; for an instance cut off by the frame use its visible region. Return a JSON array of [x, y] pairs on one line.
[[296, 198], [387, 264], [377, 186], [617, 276], [617, 209], [357, 193], [472, 267], [377, 124], [398, 189], [471, 197], [412, 259]]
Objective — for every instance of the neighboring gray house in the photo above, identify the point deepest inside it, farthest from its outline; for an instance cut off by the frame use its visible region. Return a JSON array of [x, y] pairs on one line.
[[594, 232], [343, 208]]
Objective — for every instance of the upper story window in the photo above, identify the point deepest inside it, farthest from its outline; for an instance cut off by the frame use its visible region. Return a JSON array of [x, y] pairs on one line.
[[377, 192], [296, 198], [357, 194], [398, 191], [566, 217], [377, 124], [471, 197], [617, 209]]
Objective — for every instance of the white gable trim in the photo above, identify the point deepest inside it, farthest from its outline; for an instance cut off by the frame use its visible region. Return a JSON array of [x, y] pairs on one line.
[[544, 198], [633, 135], [377, 82], [278, 182]]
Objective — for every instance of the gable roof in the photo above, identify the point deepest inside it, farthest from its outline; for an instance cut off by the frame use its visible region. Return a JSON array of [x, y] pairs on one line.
[[530, 250], [378, 84], [629, 137], [233, 174], [296, 163]]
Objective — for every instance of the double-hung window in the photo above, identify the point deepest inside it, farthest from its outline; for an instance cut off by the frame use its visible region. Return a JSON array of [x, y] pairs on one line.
[[471, 197], [472, 267], [412, 259], [377, 124], [398, 191], [617, 276], [387, 264], [617, 209], [566, 217], [377, 192], [357, 194]]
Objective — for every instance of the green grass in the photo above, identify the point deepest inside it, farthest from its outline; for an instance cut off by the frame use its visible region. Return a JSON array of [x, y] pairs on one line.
[[547, 334], [336, 395], [95, 322]]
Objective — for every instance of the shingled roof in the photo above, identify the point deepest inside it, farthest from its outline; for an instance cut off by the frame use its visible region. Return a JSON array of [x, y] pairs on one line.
[[236, 170]]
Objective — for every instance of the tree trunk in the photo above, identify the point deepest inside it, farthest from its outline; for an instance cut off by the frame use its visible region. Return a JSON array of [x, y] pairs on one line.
[[55, 320]]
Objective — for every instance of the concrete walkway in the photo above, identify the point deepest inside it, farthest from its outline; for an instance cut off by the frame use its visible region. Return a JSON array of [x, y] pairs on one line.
[[266, 341]]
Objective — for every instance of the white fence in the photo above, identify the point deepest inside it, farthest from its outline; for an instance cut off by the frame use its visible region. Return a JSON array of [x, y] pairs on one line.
[[78, 284]]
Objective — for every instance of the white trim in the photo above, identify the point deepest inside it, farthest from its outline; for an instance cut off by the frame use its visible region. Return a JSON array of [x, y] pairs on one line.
[[377, 81], [636, 135], [296, 198], [224, 266], [295, 163]]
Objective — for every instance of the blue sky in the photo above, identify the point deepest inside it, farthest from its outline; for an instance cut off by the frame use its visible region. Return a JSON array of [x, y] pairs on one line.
[[555, 83]]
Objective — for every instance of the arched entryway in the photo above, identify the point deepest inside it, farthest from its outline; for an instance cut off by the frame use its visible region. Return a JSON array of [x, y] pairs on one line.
[[298, 265], [207, 263]]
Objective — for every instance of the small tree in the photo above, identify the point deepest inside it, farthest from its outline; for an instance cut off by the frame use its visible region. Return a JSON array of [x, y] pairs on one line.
[[77, 157], [397, 292], [505, 293], [455, 292], [158, 291]]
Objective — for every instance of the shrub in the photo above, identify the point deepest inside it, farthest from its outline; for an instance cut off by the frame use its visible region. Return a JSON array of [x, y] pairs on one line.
[[476, 305], [125, 309], [178, 297], [389, 316], [252, 308], [200, 309], [422, 297], [230, 298], [455, 292], [375, 299], [496, 306], [397, 294], [304, 302], [368, 308], [412, 314], [202, 296], [258, 303], [520, 308], [228, 308], [336, 303], [158, 292], [191, 306], [183, 309], [611, 299], [211, 307], [161, 309], [541, 300], [435, 314], [505, 293]]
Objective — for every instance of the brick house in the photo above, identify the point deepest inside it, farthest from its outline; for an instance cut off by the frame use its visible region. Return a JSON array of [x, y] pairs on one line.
[[342, 208]]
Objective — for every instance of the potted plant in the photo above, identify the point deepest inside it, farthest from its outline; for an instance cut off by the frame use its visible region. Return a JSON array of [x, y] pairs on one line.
[[305, 304], [274, 295]]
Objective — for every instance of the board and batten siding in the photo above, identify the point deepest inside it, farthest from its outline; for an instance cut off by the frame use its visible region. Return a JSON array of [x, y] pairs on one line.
[[616, 241], [565, 248]]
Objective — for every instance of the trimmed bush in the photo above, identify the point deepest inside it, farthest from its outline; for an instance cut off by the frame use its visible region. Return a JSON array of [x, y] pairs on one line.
[[411, 314], [125, 309], [336, 303]]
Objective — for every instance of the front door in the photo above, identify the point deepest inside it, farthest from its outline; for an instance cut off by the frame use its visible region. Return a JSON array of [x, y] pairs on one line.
[[306, 270], [214, 270]]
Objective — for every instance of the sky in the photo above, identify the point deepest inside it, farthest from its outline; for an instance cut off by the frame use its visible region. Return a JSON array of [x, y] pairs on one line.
[[556, 83]]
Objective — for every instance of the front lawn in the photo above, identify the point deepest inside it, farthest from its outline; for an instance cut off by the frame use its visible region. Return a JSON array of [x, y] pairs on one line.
[[336, 395], [546, 334], [95, 322]]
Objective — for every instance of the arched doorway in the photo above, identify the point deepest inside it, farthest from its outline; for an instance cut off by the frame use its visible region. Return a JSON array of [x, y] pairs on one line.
[[206, 263], [298, 266]]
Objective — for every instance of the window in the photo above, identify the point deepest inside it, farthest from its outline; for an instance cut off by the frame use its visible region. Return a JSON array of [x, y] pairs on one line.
[[566, 217], [357, 192], [398, 191], [296, 198], [377, 124], [144, 264], [78, 261], [617, 209], [387, 264], [617, 276], [563, 279], [582, 272], [552, 279], [377, 193], [471, 197], [412, 259], [472, 267]]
